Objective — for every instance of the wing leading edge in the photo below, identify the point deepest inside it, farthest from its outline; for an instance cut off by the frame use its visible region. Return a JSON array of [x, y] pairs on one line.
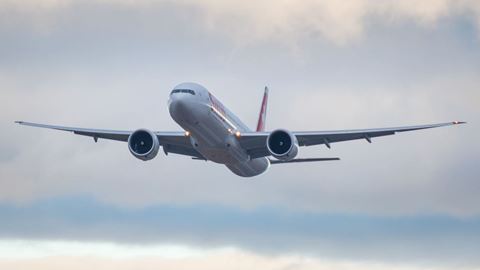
[[255, 142]]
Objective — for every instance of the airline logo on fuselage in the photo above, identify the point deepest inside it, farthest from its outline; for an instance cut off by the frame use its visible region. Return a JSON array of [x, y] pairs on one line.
[[217, 105], [220, 111]]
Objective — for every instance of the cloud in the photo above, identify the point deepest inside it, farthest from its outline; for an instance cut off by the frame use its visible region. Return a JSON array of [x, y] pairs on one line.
[[287, 21], [422, 239], [410, 198], [101, 61], [72, 255]]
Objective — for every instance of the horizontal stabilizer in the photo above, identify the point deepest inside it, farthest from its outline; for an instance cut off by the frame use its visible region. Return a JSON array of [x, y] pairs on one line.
[[303, 160]]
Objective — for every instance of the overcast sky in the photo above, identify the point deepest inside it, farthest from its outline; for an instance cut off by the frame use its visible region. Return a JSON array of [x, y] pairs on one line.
[[408, 201]]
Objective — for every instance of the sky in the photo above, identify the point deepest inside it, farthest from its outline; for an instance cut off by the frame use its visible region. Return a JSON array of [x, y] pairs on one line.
[[408, 201]]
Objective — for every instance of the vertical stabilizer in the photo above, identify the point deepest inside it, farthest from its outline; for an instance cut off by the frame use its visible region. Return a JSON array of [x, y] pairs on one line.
[[263, 112]]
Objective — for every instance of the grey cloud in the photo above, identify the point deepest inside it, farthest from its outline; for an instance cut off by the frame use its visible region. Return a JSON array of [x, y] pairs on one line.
[[427, 239], [247, 22], [110, 64]]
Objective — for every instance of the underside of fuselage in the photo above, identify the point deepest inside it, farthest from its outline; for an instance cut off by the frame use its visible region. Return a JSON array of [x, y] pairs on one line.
[[211, 133]]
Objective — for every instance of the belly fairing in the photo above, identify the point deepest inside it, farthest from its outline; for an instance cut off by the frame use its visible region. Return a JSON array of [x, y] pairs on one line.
[[250, 168]]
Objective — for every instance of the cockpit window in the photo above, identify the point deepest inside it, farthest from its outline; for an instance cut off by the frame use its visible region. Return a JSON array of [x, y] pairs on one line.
[[188, 91]]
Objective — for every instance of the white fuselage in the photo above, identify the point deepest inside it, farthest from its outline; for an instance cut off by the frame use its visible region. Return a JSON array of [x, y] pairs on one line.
[[213, 129]]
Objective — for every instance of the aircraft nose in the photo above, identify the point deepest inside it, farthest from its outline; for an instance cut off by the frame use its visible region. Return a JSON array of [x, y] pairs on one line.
[[177, 105]]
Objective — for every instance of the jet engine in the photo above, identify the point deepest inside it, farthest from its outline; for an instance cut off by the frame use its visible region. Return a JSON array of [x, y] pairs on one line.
[[282, 144], [143, 144]]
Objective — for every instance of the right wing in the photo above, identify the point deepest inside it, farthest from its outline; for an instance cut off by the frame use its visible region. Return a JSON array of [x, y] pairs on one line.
[[256, 142], [172, 142]]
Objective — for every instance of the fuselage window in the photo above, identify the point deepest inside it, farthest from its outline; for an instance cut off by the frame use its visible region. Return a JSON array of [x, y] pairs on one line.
[[188, 91]]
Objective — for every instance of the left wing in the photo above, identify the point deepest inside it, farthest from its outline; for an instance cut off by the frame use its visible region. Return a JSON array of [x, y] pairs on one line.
[[117, 135], [172, 142], [256, 142]]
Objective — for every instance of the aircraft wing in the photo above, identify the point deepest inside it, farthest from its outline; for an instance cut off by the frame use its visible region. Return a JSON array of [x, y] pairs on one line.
[[172, 142], [256, 142]]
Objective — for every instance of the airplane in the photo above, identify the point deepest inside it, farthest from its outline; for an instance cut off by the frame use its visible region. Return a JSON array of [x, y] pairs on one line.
[[211, 132]]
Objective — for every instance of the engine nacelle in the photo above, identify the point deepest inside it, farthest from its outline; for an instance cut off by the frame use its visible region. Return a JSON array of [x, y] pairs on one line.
[[143, 144], [282, 144]]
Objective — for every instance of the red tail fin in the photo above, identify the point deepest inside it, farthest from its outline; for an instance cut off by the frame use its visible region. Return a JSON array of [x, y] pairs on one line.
[[263, 112]]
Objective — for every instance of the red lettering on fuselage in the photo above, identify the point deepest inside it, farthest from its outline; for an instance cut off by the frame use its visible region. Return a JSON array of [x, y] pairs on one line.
[[217, 105]]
